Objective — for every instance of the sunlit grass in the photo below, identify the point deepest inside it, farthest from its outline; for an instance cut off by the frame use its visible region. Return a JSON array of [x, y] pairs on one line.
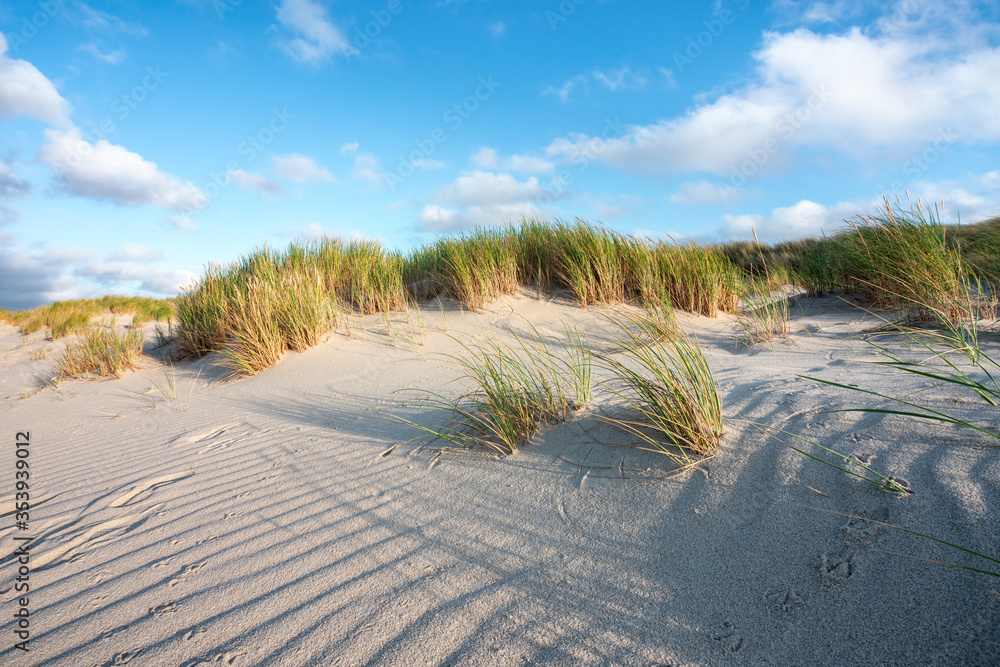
[[64, 318], [663, 377], [511, 390], [100, 350]]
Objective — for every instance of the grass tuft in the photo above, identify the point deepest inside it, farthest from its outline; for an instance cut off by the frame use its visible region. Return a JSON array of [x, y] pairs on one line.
[[511, 390], [102, 351], [664, 377]]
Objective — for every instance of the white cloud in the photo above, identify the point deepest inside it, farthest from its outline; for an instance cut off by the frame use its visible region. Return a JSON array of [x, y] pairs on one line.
[[133, 252], [182, 222], [110, 57], [855, 92], [316, 37], [482, 198], [11, 186], [621, 79], [30, 279], [488, 158], [107, 171], [614, 80], [110, 274], [479, 188], [485, 158], [703, 192], [564, 91], [609, 211], [301, 169], [972, 199], [804, 219], [349, 148], [259, 183], [528, 164], [434, 218], [24, 91], [497, 28], [368, 168], [95, 19], [669, 75]]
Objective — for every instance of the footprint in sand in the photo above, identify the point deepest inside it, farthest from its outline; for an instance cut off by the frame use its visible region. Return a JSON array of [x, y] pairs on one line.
[[837, 567], [194, 632], [123, 658], [726, 639], [164, 609], [149, 486], [785, 600], [186, 572], [218, 659]]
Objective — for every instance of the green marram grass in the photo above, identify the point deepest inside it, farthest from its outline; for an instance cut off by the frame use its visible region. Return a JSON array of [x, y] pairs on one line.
[[662, 375], [510, 390], [64, 318], [101, 351]]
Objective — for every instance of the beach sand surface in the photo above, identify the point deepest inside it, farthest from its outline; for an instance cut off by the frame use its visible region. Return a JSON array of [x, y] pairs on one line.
[[264, 521]]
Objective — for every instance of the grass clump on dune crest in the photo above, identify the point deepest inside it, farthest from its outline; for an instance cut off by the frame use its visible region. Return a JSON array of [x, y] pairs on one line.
[[103, 351], [902, 257], [269, 302], [63, 318]]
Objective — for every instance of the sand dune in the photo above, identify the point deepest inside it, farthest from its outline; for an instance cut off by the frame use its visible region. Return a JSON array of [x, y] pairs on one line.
[[264, 523]]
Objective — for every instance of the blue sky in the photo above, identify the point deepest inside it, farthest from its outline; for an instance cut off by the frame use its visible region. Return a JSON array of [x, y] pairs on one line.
[[142, 140]]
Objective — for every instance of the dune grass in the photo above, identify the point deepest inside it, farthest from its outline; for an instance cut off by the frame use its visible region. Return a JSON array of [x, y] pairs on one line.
[[268, 302], [511, 390], [64, 318], [100, 350], [764, 315], [664, 378], [900, 256]]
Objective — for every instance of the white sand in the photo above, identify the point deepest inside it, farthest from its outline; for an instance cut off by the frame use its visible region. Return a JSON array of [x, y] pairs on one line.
[[260, 526]]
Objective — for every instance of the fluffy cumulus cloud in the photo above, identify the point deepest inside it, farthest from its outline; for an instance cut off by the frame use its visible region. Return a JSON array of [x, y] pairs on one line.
[[31, 277], [28, 280], [971, 199], [314, 38], [110, 172], [300, 169], [853, 92], [483, 198], [24, 91], [136, 267], [803, 219]]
